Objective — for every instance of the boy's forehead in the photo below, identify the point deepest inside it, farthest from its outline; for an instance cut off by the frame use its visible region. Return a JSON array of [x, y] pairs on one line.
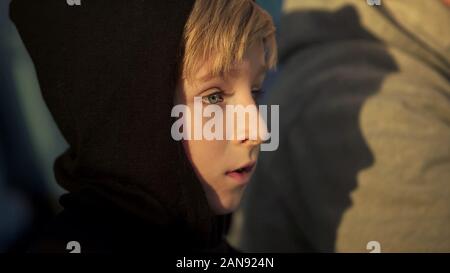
[[253, 62]]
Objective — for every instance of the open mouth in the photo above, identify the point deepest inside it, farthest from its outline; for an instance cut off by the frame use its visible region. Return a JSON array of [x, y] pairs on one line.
[[242, 174], [246, 169]]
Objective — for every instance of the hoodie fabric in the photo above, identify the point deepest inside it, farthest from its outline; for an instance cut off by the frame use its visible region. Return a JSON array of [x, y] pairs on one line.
[[108, 71]]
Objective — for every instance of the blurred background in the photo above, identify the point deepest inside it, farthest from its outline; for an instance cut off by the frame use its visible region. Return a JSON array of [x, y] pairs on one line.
[[29, 143], [364, 96], [363, 163]]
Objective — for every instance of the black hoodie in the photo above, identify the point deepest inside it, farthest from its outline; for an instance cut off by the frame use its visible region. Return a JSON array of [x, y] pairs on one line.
[[108, 71]]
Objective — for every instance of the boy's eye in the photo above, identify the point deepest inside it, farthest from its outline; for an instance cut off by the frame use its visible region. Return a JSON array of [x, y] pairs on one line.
[[214, 98], [256, 94]]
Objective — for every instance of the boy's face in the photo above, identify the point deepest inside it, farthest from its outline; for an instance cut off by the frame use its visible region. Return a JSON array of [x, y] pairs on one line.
[[218, 163]]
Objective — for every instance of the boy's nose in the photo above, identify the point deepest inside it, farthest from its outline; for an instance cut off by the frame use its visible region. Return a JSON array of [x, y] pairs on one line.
[[251, 131]]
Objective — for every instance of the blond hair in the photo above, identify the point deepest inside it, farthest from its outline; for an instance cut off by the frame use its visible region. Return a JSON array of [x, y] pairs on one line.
[[220, 32]]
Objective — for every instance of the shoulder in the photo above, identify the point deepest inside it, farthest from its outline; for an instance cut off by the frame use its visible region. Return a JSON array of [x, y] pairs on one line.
[[70, 232]]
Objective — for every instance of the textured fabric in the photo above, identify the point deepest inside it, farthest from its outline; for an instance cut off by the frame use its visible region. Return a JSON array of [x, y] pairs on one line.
[[364, 149], [108, 71]]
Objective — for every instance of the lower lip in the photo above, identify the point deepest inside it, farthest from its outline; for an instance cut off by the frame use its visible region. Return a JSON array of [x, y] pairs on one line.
[[241, 178]]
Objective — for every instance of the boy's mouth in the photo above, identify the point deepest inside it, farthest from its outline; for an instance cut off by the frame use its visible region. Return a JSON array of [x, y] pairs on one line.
[[242, 174]]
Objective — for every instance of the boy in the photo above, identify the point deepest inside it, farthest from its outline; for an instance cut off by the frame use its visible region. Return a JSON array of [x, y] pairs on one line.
[[110, 73]]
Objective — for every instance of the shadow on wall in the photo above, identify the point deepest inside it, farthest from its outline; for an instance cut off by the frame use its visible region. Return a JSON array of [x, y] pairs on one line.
[[330, 66]]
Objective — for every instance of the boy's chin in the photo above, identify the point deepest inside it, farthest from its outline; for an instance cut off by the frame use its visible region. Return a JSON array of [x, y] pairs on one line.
[[226, 206]]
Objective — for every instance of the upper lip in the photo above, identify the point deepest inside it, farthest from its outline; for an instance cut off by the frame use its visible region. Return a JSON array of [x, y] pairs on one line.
[[246, 167]]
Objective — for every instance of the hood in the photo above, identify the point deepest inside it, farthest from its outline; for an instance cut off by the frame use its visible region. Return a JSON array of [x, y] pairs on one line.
[[107, 72]]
